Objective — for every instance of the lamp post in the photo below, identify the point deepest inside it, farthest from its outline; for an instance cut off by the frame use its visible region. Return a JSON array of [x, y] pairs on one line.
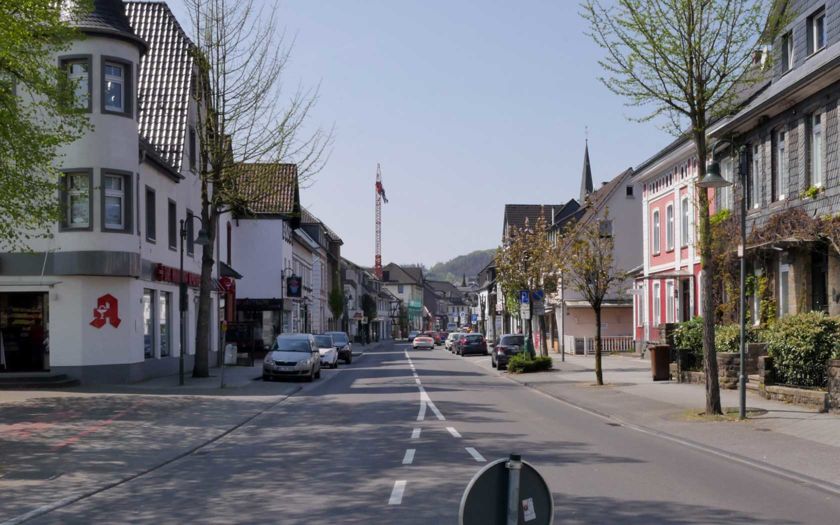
[[714, 180], [201, 240]]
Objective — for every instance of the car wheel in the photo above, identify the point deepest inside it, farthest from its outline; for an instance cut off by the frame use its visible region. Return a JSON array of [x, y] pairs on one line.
[[311, 376], [266, 377], [318, 373], [349, 359]]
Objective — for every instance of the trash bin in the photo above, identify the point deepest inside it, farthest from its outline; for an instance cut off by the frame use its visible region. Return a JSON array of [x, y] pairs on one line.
[[660, 360]]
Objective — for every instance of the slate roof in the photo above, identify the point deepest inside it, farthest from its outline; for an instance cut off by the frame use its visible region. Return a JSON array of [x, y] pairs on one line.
[[515, 214], [269, 188], [306, 217], [165, 76], [108, 18]]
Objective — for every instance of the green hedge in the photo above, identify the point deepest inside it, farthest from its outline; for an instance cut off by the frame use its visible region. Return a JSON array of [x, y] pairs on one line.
[[688, 337], [800, 345], [523, 363], [728, 337]]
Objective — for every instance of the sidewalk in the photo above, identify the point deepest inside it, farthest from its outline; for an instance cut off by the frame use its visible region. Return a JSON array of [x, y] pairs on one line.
[[787, 439]]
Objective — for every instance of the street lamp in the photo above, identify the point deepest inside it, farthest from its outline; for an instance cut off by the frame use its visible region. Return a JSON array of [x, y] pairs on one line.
[[202, 240], [714, 180]]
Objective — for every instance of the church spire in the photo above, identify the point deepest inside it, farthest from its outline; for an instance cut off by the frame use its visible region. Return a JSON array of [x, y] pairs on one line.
[[586, 177]]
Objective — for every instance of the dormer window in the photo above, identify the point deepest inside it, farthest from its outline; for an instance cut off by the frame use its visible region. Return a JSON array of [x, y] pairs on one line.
[[816, 31], [116, 87]]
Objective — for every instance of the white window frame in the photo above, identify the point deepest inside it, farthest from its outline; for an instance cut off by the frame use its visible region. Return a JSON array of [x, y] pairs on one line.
[[784, 291], [114, 193], [782, 164], [669, 227], [817, 149], [669, 301], [817, 20], [70, 193], [656, 232], [150, 323], [83, 79], [787, 51], [120, 80], [685, 226], [657, 304]]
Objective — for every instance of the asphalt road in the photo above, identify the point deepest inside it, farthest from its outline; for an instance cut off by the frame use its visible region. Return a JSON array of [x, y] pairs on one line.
[[374, 444]]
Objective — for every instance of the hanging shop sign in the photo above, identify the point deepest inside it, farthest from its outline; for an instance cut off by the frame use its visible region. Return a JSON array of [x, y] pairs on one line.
[[293, 286]]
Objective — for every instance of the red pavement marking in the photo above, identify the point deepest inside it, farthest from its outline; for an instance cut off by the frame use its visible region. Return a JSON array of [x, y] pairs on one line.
[[96, 427]]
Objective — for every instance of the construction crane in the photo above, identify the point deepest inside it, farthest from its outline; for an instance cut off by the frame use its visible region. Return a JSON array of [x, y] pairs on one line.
[[380, 198]]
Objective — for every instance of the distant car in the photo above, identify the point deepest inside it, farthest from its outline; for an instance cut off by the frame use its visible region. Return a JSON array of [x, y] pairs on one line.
[[452, 327], [507, 346], [343, 345], [433, 335], [471, 344], [423, 341], [412, 335], [443, 336], [450, 340], [329, 353], [292, 355]]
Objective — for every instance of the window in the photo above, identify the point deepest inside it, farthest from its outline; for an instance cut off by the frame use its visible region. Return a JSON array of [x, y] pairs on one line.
[[755, 175], [817, 150], [656, 232], [605, 228], [629, 190], [787, 51], [400, 288], [76, 201], [640, 306], [79, 73], [172, 224], [151, 227], [816, 31], [116, 202], [164, 323], [657, 304], [723, 196], [784, 288], [116, 87], [669, 302], [780, 176], [684, 222], [148, 324], [192, 148], [190, 234], [669, 227]]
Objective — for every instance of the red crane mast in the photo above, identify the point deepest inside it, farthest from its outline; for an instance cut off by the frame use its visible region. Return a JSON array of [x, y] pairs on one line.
[[380, 198]]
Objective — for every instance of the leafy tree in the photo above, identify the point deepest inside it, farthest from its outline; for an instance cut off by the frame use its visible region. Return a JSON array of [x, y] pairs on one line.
[[525, 262], [684, 60], [336, 302], [39, 113], [586, 256], [242, 58]]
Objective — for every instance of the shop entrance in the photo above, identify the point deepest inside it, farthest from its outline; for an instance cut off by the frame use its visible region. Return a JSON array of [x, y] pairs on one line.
[[24, 338]]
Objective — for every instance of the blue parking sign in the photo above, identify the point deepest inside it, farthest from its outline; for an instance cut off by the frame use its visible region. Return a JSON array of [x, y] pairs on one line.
[[524, 296]]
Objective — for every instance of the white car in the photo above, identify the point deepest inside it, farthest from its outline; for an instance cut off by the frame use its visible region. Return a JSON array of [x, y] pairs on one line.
[[451, 339], [329, 353], [292, 355], [423, 341]]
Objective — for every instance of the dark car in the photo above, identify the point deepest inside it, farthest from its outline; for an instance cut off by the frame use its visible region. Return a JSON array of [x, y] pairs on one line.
[[507, 346], [471, 344], [343, 345]]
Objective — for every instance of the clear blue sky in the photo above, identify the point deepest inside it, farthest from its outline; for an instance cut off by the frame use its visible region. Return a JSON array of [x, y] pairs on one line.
[[466, 104]]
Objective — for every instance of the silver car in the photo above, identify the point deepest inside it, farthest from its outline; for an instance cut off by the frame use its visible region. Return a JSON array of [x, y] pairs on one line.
[[329, 353], [293, 355]]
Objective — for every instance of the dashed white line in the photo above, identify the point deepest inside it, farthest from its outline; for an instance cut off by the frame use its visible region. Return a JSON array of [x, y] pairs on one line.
[[475, 455], [454, 432], [397, 492], [417, 380], [422, 414], [426, 400], [408, 459], [415, 433]]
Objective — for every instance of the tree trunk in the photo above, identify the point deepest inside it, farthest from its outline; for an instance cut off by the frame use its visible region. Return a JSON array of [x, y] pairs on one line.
[[707, 265], [201, 367], [599, 373], [543, 341]]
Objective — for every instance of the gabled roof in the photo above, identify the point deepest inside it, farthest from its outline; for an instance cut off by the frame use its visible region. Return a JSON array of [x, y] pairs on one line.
[[399, 275], [515, 214], [444, 286], [165, 75], [105, 18], [598, 200], [269, 189]]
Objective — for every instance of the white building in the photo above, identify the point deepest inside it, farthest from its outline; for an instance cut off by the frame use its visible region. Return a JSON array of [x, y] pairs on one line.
[[99, 300]]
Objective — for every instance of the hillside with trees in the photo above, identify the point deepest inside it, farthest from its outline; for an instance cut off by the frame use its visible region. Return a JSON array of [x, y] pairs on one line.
[[454, 269]]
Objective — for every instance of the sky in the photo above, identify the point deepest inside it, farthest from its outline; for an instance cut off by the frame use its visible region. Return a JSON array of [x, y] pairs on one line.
[[467, 105]]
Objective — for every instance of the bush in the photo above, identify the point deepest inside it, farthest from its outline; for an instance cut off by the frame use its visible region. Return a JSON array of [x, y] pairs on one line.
[[524, 363], [800, 345], [689, 335], [728, 337]]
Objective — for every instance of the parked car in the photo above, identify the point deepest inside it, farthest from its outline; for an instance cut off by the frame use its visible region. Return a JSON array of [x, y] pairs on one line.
[[450, 340], [412, 335], [471, 344], [423, 341], [506, 346], [329, 353], [343, 345], [434, 335], [292, 355]]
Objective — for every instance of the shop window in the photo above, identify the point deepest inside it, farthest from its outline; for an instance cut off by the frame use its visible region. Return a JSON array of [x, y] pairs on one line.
[[148, 324], [164, 323]]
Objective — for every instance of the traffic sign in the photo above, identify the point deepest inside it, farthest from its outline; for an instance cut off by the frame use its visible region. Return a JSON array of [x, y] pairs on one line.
[[538, 295], [524, 296], [525, 311], [507, 486]]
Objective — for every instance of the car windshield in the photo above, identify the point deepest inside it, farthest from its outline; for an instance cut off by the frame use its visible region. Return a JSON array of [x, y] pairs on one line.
[[474, 338], [513, 340], [291, 344], [323, 341], [339, 338]]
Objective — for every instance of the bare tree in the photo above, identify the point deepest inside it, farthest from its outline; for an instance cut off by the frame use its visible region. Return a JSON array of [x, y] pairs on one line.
[[243, 118], [684, 60]]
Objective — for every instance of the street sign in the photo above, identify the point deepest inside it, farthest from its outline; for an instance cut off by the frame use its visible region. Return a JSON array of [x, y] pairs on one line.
[[507, 486], [474, 318], [538, 295], [525, 311], [524, 296], [538, 307]]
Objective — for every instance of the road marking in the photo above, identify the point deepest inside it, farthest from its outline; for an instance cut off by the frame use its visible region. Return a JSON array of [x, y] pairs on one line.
[[397, 493], [426, 400], [454, 432], [415, 433], [408, 459], [417, 380], [476, 456], [422, 414]]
